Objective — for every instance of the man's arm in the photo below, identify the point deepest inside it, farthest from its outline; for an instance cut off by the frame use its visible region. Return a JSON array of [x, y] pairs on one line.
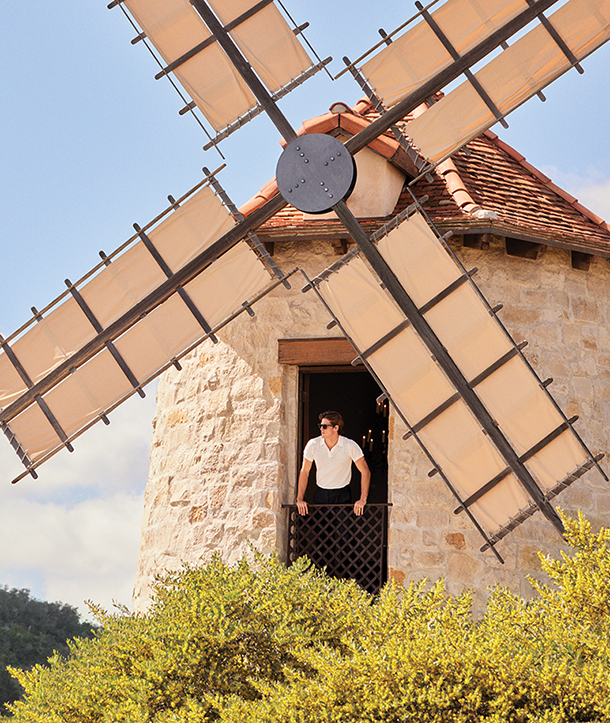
[[302, 486], [365, 482]]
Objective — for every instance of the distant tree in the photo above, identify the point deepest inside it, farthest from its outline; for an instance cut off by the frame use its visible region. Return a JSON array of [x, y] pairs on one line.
[[259, 643], [30, 632]]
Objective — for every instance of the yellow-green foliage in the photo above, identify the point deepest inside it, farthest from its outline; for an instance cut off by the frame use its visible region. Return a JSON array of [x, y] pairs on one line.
[[261, 643]]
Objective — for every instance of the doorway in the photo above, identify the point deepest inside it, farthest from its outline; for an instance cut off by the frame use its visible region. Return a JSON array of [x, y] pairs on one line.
[[353, 393]]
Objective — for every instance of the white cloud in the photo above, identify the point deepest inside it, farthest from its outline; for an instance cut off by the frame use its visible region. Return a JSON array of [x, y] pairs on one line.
[[73, 534], [88, 551]]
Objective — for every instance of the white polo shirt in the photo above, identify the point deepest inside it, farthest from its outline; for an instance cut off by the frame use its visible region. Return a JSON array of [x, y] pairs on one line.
[[333, 466]]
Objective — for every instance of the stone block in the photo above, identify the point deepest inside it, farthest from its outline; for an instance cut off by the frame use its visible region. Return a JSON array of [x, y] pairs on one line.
[[430, 493], [197, 514], [589, 344], [431, 538], [267, 541], [528, 558], [405, 538], [464, 568], [402, 514], [461, 521], [216, 497], [271, 500], [429, 560], [455, 540], [176, 416], [397, 575], [275, 386], [432, 519], [580, 497], [602, 504], [584, 309], [262, 519], [582, 386], [521, 316]]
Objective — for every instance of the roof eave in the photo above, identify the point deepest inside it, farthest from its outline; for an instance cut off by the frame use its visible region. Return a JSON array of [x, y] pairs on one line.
[[507, 232]]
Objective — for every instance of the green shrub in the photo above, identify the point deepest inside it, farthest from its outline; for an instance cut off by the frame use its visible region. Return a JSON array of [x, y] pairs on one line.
[[30, 631], [264, 643]]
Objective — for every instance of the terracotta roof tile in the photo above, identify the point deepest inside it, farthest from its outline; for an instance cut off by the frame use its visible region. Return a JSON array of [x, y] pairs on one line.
[[547, 181], [269, 190], [525, 201], [351, 122]]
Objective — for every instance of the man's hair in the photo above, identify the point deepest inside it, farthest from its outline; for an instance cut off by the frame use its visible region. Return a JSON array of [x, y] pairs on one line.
[[333, 417]]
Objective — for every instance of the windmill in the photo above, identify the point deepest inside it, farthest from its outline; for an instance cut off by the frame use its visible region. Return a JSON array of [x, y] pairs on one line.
[[105, 350]]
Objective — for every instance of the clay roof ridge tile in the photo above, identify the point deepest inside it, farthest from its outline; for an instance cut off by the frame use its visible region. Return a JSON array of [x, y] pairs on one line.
[[269, 190], [363, 106], [460, 194]]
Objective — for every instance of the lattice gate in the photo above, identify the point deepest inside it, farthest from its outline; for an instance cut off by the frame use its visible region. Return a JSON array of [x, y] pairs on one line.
[[348, 546]]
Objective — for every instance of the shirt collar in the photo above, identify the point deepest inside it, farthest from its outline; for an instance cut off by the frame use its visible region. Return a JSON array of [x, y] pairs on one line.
[[339, 442]]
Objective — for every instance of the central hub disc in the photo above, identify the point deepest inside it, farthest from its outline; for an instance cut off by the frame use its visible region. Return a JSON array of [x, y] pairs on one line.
[[315, 172]]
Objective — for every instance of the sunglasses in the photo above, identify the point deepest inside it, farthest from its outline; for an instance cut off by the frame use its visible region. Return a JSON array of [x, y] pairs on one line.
[[325, 426]]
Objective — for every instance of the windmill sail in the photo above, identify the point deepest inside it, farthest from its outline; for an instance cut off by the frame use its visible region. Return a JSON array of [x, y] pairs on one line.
[[78, 387], [190, 51], [418, 55], [514, 76], [434, 409]]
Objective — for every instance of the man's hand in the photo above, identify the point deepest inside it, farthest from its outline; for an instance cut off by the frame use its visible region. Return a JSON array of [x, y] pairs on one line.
[[365, 482], [359, 506], [302, 486]]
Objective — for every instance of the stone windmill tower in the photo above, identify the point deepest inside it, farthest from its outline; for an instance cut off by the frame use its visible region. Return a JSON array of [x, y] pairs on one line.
[[231, 426], [439, 365]]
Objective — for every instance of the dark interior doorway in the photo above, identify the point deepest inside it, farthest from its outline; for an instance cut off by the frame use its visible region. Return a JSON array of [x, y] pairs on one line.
[[353, 393]]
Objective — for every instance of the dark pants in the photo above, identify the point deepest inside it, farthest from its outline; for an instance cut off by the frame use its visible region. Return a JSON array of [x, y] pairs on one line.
[[341, 496]]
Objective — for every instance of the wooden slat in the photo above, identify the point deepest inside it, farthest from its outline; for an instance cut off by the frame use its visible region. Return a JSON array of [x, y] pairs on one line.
[[315, 352]]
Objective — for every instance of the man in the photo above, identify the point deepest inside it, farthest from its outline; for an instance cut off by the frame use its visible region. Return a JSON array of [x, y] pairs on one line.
[[333, 455]]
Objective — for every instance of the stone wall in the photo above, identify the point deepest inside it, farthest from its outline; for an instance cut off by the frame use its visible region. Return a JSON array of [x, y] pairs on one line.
[[224, 447]]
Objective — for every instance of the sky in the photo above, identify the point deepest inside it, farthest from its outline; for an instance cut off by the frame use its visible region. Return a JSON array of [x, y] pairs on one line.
[[90, 143]]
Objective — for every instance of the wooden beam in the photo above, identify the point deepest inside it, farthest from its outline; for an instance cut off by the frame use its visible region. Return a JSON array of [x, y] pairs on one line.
[[581, 260], [401, 160], [340, 246], [477, 241], [554, 242], [315, 352], [524, 249]]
